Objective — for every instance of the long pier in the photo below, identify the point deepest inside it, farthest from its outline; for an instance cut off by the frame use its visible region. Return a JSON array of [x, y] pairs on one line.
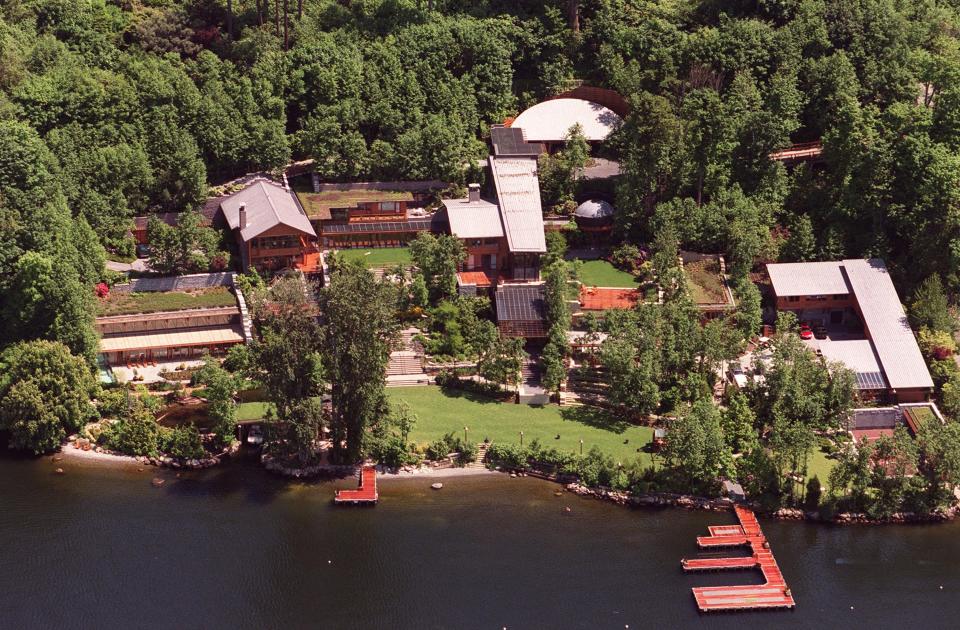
[[365, 494], [772, 594]]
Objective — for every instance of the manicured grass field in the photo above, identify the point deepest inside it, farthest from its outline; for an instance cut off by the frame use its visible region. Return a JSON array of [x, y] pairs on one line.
[[440, 412], [252, 410], [378, 257], [820, 466], [120, 303], [600, 273]]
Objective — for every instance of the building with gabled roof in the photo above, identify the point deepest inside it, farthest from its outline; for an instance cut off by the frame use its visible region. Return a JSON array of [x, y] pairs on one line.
[[862, 320], [271, 228]]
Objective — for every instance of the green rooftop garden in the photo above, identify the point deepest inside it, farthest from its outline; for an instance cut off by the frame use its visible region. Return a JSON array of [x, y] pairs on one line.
[[319, 204], [600, 273], [705, 282], [122, 303], [440, 412]]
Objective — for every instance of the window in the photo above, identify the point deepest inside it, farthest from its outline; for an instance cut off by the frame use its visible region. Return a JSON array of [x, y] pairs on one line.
[[389, 206], [793, 298]]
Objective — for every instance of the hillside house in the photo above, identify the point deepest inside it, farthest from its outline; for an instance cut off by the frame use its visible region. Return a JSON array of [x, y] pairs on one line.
[[271, 228], [370, 214]]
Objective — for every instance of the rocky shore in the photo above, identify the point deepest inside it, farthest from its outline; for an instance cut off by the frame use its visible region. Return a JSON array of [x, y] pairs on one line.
[[724, 504], [83, 447]]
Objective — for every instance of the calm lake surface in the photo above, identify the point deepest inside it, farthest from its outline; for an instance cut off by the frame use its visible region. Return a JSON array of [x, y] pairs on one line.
[[99, 547]]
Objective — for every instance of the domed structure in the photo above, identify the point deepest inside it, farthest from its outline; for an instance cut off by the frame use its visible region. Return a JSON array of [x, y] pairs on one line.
[[594, 215], [550, 121]]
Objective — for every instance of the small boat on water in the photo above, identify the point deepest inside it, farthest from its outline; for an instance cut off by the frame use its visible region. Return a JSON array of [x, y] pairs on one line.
[[436, 486]]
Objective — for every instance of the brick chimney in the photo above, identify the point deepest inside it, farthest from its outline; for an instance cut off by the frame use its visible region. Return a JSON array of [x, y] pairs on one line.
[[474, 195], [243, 216]]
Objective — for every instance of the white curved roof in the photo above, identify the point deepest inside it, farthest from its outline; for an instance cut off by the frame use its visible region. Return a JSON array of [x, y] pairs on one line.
[[594, 209], [550, 121]]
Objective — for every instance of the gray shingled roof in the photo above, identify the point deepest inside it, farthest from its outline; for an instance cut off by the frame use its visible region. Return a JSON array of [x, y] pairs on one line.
[[478, 219], [267, 205], [518, 194], [885, 320], [811, 278]]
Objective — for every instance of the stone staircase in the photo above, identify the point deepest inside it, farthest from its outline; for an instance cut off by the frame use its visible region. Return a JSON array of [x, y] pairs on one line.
[[481, 457], [585, 386], [406, 364]]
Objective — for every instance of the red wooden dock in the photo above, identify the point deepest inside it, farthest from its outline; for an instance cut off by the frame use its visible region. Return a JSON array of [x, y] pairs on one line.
[[366, 493], [773, 593]]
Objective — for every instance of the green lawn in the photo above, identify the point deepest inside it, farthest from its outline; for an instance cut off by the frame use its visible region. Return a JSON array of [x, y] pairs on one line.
[[440, 412], [252, 410], [378, 257], [820, 466], [600, 273]]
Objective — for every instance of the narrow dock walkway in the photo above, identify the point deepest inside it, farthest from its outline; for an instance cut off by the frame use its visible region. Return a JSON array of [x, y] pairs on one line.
[[773, 594], [365, 494]]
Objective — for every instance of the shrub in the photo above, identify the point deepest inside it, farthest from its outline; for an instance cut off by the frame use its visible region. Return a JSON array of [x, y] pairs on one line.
[[468, 452], [136, 434], [393, 452], [507, 455], [626, 257], [439, 449], [183, 442]]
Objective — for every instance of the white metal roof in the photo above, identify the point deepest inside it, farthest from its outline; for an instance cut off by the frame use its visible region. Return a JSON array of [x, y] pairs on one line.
[[148, 339], [809, 278], [550, 121], [477, 219], [887, 324], [267, 205], [518, 193], [860, 357]]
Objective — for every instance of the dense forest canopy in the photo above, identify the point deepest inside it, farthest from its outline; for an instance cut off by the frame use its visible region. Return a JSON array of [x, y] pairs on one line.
[[113, 109]]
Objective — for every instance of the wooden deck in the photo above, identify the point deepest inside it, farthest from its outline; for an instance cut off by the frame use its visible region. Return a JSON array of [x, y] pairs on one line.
[[772, 594], [365, 494]]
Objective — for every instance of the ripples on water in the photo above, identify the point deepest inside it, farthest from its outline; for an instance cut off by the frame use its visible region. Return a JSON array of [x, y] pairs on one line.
[[99, 547]]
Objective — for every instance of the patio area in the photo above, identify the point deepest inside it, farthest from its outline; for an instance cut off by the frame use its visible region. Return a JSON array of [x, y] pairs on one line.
[[150, 373]]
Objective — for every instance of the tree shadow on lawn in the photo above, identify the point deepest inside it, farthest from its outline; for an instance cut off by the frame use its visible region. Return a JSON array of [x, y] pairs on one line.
[[596, 418], [450, 392]]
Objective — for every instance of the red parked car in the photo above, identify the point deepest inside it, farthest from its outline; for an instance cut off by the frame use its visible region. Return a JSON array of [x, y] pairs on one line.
[[805, 332]]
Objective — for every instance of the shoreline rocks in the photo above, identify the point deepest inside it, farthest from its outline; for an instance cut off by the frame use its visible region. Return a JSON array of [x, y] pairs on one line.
[[724, 504]]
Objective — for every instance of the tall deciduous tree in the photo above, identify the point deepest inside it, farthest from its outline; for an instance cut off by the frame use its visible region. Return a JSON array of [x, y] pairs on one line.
[[286, 360], [438, 258], [359, 329]]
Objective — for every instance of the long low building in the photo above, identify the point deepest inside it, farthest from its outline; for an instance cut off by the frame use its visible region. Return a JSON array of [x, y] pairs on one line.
[[865, 324]]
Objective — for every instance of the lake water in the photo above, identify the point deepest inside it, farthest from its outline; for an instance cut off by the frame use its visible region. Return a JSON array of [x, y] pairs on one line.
[[100, 547]]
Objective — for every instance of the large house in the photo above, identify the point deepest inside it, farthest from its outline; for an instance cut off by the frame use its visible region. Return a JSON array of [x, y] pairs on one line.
[[371, 214], [866, 326], [176, 319], [271, 228]]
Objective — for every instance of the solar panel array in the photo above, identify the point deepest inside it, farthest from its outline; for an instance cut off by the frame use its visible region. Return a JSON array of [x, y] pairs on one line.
[[871, 380], [374, 227], [190, 282], [520, 303], [509, 141]]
